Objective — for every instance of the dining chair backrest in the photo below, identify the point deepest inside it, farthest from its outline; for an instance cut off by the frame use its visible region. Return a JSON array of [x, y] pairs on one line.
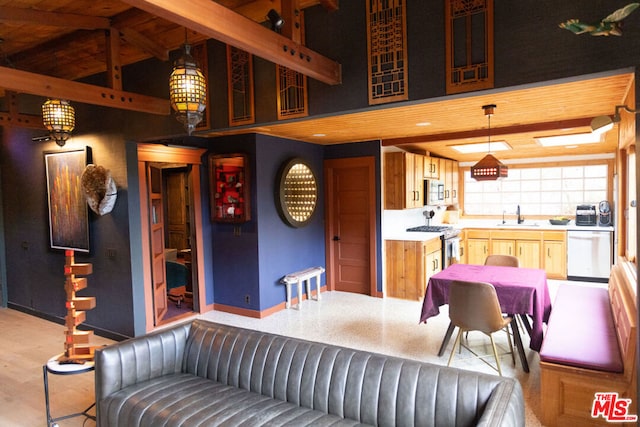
[[474, 306], [502, 260]]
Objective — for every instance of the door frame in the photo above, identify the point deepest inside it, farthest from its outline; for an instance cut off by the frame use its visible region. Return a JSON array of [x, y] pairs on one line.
[[329, 166], [164, 154]]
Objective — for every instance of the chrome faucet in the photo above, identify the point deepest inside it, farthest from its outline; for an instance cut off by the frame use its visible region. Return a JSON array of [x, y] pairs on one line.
[[503, 221], [520, 218]]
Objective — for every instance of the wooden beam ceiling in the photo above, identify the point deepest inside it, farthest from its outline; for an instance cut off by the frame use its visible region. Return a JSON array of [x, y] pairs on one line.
[[52, 87], [234, 29]]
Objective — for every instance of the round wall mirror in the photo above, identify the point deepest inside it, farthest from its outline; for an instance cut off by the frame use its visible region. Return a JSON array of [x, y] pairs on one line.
[[297, 192]]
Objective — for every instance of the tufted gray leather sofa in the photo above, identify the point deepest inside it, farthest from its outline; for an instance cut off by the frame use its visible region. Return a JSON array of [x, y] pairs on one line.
[[205, 374]]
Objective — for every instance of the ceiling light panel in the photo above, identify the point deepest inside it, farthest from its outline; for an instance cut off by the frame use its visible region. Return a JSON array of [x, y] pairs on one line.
[[574, 139], [482, 147]]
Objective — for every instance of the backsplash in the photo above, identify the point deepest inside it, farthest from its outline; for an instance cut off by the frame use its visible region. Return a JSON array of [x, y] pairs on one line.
[[398, 220]]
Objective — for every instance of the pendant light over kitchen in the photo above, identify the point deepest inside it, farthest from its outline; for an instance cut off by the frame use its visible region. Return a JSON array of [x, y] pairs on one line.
[[489, 168]]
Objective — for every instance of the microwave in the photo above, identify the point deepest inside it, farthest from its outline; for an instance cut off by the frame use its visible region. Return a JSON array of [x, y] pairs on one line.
[[434, 192]]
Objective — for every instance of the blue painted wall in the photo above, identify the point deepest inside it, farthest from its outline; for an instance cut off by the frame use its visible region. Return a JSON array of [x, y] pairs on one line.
[[249, 259]]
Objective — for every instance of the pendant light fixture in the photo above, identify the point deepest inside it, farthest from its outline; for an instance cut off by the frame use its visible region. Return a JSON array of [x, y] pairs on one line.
[[489, 168], [59, 117], [187, 90]]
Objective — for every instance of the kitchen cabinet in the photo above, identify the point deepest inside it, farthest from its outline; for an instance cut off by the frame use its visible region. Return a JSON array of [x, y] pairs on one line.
[[431, 167], [449, 174], [409, 265], [526, 245], [554, 254], [403, 180], [477, 242]]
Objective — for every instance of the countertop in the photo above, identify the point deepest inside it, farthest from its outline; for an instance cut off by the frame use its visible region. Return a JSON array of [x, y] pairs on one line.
[[533, 225]]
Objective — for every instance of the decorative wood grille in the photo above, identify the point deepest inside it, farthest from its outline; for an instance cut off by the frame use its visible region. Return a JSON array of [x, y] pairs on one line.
[[469, 45], [199, 53], [240, 87], [292, 94], [387, 49]]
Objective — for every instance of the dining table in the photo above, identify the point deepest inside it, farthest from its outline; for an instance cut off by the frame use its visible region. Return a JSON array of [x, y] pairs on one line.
[[521, 292]]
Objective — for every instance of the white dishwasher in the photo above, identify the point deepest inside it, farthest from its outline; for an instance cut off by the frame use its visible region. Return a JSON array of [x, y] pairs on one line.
[[589, 255]]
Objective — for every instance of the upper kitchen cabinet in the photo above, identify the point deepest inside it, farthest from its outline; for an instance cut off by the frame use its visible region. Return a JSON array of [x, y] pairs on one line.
[[431, 167], [403, 180], [449, 174]]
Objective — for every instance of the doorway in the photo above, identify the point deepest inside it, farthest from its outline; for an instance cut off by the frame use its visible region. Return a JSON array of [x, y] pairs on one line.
[[171, 218], [351, 225]]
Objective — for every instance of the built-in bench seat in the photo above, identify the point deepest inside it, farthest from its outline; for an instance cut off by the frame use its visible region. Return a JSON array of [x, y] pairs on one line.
[[589, 347]]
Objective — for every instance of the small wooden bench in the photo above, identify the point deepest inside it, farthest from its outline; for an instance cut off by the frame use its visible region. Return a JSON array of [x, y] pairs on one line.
[[302, 276], [589, 347]]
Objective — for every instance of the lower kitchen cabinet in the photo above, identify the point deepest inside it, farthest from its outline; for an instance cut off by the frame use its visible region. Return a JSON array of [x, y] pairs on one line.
[[534, 249], [554, 254], [477, 242], [409, 264]]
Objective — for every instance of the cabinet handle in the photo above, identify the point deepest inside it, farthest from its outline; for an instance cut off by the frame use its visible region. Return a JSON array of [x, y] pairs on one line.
[[455, 194], [548, 252], [521, 250]]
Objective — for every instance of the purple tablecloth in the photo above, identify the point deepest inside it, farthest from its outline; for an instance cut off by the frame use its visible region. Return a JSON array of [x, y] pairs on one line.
[[519, 290]]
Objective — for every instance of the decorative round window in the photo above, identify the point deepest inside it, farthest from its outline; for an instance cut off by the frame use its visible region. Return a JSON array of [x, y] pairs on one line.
[[297, 192]]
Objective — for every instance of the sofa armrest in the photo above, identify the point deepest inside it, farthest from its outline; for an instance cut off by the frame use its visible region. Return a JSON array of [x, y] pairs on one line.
[[505, 406], [139, 359]]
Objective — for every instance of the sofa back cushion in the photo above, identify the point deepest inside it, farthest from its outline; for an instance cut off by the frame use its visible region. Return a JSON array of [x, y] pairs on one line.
[[366, 387]]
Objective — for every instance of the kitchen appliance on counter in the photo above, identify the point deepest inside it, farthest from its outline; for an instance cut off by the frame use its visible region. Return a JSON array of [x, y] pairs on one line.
[[586, 215], [604, 209], [589, 255], [450, 241]]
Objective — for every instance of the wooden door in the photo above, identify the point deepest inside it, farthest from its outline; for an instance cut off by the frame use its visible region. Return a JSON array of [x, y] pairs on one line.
[[350, 225], [156, 227], [177, 210]]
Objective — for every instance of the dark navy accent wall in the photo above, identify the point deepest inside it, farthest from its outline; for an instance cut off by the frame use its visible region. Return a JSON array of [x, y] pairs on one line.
[[234, 246], [249, 259], [364, 149], [284, 249]]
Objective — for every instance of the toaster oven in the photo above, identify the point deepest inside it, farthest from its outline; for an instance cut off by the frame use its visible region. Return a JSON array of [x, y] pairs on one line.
[[586, 215]]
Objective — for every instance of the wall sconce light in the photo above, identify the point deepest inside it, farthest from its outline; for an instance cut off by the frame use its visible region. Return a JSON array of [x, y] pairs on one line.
[[59, 117], [275, 19], [602, 124], [489, 168], [187, 90]]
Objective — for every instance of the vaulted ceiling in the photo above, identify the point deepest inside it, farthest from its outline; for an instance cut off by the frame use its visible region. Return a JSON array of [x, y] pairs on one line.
[[44, 45]]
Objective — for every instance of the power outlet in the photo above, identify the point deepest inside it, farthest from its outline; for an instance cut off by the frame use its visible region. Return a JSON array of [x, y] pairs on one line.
[[247, 299]]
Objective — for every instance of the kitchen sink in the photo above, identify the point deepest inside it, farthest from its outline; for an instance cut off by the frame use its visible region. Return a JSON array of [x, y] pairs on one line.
[[513, 224]]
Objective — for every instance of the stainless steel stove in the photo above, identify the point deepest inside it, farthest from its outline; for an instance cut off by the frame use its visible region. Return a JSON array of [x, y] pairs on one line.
[[447, 230], [450, 241]]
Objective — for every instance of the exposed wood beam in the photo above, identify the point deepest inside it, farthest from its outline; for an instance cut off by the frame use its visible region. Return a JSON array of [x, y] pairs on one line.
[[53, 19], [114, 66], [52, 87], [14, 118], [144, 43], [478, 133], [217, 22]]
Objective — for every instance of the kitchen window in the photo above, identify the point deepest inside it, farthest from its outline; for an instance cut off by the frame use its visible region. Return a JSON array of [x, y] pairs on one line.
[[552, 191]]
